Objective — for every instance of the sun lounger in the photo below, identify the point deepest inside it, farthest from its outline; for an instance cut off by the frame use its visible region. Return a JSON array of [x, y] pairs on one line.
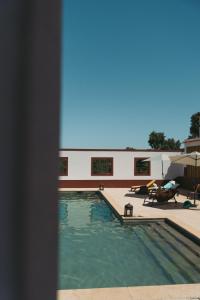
[[135, 188], [162, 195]]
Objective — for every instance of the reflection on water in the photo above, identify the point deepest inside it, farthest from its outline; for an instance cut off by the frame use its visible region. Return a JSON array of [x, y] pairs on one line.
[[79, 211]]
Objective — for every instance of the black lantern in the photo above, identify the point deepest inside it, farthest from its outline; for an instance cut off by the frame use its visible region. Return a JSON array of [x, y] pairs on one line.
[[128, 210], [101, 187]]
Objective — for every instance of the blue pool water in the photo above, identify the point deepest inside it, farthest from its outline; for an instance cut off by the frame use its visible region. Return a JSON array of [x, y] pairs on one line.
[[96, 250]]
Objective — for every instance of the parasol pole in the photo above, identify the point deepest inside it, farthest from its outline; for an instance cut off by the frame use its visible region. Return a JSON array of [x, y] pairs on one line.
[[199, 126], [195, 179]]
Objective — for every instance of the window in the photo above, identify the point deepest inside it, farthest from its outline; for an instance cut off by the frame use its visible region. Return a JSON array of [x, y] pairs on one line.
[[142, 168], [102, 166], [63, 166]]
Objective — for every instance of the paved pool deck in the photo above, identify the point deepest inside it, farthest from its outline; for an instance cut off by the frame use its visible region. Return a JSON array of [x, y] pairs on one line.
[[189, 219]]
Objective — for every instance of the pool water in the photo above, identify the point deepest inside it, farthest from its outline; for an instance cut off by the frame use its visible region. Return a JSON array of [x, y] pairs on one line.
[[96, 250]]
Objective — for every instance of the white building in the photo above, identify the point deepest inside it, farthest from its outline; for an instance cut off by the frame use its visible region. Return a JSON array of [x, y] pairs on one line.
[[114, 167]]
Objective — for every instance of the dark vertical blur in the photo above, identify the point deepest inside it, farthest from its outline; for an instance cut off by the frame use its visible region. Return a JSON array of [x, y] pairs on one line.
[[29, 131]]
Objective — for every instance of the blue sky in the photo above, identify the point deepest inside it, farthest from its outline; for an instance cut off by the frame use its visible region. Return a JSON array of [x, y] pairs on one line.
[[128, 67]]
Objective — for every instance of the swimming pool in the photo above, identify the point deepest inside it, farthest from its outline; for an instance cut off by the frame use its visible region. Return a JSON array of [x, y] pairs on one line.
[[96, 250]]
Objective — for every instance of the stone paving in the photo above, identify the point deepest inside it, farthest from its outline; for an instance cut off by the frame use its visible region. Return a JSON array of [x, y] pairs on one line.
[[186, 218]]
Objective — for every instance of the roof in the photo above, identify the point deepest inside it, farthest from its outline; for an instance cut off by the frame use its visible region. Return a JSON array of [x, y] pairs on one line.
[[118, 150]]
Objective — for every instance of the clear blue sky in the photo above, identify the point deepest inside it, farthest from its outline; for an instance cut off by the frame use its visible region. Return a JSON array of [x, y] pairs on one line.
[[128, 67]]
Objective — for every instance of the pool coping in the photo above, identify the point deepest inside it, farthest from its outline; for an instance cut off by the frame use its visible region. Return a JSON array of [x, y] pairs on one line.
[[162, 292], [174, 221], [157, 292]]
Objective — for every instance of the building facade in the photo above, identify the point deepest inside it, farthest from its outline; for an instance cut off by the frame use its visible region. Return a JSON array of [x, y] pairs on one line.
[[82, 168]]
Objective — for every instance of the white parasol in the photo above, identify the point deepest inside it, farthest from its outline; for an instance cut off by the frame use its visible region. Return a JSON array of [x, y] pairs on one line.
[[190, 159]]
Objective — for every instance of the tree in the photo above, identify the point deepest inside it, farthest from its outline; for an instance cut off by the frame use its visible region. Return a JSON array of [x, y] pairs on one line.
[[171, 144], [194, 125], [157, 141]]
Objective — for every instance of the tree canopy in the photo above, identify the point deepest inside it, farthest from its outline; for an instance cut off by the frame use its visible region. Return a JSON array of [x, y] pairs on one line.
[[158, 141], [194, 125]]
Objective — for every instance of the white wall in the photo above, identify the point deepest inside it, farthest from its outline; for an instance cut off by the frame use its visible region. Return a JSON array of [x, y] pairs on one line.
[[79, 165]]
